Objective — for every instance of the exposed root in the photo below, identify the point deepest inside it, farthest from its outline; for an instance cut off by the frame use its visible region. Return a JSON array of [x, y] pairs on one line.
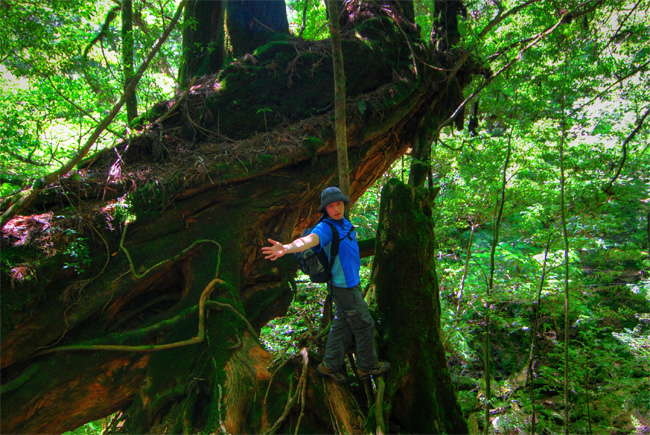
[[150, 348], [379, 406], [293, 398], [221, 423], [168, 260]]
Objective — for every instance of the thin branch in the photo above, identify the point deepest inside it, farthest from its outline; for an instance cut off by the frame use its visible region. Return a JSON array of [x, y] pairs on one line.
[[620, 26], [30, 194], [621, 80], [81, 110], [178, 102], [303, 24], [498, 19], [536, 39], [495, 243], [489, 80], [110, 16], [533, 335], [22, 159], [624, 146], [565, 236]]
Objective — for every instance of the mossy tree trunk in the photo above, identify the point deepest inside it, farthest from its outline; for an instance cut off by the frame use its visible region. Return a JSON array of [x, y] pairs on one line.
[[216, 32], [339, 97], [418, 387], [172, 228]]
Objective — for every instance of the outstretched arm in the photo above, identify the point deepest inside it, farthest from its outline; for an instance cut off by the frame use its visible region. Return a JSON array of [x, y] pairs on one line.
[[277, 249]]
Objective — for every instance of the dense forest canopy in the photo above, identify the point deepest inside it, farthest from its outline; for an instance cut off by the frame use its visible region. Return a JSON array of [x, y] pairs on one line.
[[517, 129]]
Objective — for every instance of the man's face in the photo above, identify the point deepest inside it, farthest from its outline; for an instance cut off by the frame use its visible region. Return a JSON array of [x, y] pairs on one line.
[[335, 210]]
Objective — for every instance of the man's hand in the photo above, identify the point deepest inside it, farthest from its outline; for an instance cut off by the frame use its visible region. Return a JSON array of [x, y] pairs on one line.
[[275, 251]]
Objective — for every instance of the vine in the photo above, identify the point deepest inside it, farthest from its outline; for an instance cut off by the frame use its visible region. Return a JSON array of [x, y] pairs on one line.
[[168, 260]]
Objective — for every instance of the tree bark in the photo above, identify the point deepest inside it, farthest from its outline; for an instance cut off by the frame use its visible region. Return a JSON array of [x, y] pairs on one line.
[[218, 32], [340, 131], [418, 387], [127, 263], [127, 57]]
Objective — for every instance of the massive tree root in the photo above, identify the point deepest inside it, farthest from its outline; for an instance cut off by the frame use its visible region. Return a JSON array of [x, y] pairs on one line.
[[180, 182]]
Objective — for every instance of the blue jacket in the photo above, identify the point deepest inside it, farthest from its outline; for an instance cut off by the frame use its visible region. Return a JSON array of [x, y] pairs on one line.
[[345, 270]]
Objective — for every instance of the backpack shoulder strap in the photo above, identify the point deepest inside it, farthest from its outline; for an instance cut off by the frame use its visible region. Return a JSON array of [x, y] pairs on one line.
[[334, 251], [352, 228]]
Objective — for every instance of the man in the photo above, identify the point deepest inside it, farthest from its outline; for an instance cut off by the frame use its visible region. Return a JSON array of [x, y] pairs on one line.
[[352, 320]]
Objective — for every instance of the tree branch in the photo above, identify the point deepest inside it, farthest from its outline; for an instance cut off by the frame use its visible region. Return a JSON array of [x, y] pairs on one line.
[[506, 67], [535, 40], [498, 19], [30, 194], [110, 16], [624, 146], [81, 110]]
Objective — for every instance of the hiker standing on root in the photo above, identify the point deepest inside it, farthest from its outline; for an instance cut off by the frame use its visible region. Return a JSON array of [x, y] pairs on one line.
[[352, 320]]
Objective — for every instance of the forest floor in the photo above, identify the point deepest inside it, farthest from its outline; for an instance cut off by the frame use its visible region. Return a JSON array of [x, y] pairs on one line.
[[609, 354], [609, 368]]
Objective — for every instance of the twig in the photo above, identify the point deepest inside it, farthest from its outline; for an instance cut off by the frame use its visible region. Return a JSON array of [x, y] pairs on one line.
[[498, 19], [76, 106], [178, 102], [624, 146], [29, 195], [600, 94], [507, 66]]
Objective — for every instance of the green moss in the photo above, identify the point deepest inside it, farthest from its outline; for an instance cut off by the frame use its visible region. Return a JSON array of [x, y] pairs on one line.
[[275, 51], [312, 144], [151, 115], [146, 203], [266, 159], [290, 83]]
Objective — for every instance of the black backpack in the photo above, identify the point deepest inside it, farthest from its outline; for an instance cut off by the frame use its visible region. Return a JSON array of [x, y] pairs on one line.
[[315, 264]]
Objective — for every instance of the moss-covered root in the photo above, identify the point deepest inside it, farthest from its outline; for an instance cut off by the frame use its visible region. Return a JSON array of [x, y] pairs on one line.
[[419, 385]]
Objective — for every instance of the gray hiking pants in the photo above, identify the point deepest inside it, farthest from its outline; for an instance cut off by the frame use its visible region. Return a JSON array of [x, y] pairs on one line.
[[352, 324]]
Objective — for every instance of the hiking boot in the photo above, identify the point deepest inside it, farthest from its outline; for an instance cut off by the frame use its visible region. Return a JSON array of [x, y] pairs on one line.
[[337, 377], [381, 368]]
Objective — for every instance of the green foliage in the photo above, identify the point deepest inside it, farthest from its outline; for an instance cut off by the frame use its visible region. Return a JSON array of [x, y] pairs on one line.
[[587, 79], [315, 23], [91, 428], [57, 80], [79, 254], [283, 335]]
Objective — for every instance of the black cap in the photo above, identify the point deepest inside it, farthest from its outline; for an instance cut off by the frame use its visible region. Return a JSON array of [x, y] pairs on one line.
[[331, 195]]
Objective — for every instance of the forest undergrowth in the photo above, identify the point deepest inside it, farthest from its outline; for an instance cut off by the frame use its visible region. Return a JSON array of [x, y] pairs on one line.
[[609, 350], [610, 358]]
